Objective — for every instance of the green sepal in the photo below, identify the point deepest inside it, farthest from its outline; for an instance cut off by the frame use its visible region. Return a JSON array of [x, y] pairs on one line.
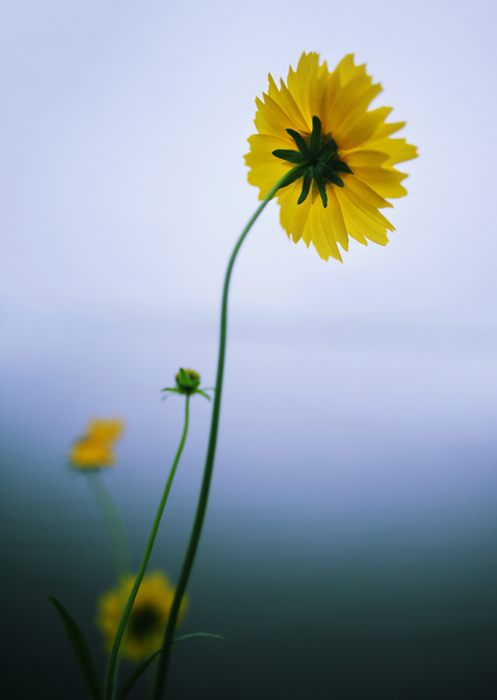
[[339, 166], [291, 156], [196, 634], [321, 187], [329, 174], [185, 381], [199, 391], [327, 151], [296, 175], [315, 142], [173, 391], [306, 186], [80, 648], [301, 144], [136, 675]]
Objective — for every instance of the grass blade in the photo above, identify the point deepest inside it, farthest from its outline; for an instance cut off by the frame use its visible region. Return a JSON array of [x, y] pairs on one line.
[[80, 648], [137, 673]]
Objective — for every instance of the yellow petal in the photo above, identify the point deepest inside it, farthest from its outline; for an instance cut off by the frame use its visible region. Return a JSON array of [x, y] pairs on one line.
[[385, 130], [367, 209], [108, 430], [366, 193], [265, 122], [333, 219], [353, 135], [398, 150], [327, 231], [363, 158], [384, 182], [280, 117], [359, 223], [293, 216], [267, 143], [284, 98]]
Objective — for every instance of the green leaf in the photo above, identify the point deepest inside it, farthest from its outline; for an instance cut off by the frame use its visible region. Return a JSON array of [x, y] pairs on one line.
[[196, 634], [290, 156], [80, 648], [136, 675], [301, 144]]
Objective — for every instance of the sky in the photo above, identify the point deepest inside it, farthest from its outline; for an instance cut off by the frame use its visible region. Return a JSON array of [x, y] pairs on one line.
[[124, 188], [124, 128]]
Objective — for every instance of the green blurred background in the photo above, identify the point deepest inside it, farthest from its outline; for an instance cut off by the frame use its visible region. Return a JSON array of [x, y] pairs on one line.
[[350, 546]]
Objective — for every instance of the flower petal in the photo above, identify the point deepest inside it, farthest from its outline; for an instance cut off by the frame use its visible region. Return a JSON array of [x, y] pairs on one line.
[[384, 182]]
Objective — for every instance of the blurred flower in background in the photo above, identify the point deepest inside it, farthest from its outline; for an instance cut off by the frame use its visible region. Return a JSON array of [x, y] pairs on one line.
[[148, 619], [96, 448]]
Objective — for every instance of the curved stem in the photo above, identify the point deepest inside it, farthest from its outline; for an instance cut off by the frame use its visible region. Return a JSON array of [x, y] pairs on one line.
[[112, 665], [112, 519], [211, 451]]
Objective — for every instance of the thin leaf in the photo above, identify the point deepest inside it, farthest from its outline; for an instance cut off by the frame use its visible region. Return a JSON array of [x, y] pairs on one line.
[[136, 675], [80, 648], [197, 634]]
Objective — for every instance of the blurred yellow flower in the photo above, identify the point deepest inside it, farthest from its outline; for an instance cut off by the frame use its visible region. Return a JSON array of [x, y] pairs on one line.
[[320, 120], [106, 430], [95, 449], [147, 622]]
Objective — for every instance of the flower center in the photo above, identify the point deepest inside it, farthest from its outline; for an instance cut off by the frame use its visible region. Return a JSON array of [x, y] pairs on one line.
[[319, 161], [144, 621]]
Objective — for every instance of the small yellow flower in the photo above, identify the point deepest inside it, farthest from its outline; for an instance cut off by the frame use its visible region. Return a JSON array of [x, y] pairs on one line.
[[106, 430], [89, 453], [321, 121], [147, 622], [95, 449]]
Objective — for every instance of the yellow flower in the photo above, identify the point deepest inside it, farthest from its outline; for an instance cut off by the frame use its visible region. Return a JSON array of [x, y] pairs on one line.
[[106, 430], [95, 449], [147, 622], [89, 453], [321, 121]]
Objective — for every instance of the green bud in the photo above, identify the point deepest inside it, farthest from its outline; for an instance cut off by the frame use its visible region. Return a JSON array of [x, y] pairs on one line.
[[187, 381]]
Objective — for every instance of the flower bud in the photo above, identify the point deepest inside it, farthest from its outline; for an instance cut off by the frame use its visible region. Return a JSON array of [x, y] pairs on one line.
[[187, 381]]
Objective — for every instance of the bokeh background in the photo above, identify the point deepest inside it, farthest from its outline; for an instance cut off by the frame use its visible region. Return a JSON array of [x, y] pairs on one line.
[[350, 549]]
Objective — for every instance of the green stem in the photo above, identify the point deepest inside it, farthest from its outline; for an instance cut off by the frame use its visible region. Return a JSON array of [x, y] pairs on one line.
[[209, 461], [112, 665], [112, 519]]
